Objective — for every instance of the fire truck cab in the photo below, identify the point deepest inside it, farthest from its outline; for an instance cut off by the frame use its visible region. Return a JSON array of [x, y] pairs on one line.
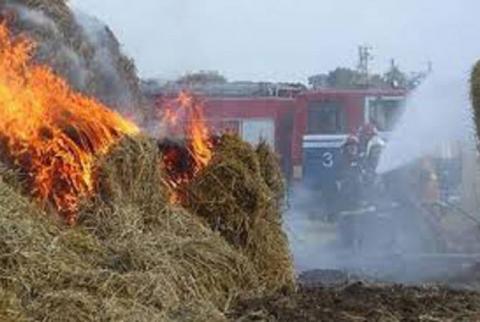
[[323, 121]]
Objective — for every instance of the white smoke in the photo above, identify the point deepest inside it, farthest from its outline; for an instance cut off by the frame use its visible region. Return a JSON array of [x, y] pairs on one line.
[[438, 112], [37, 18], [74, 66], [98, 36]]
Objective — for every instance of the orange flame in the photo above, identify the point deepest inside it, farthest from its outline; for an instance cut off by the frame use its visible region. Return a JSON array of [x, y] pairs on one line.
[[198, 132], [184, 116], [50, 132]]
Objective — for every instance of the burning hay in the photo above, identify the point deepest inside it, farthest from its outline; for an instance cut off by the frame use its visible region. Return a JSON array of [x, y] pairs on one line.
[[128, 252], [233, 197], [80, 49], [131, 257], [49, 132]]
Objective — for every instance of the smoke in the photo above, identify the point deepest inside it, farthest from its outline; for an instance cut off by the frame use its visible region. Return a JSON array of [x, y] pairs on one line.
[[396, 237], [86, 53], [437, 113], [103, 60], [37, 18], [55, 48], [391, 245]]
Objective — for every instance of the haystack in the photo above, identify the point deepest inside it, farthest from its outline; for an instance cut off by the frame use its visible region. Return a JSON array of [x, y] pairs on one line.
[[134, 220], [80, 49], [232, 195], [271, 171], [130, 258]]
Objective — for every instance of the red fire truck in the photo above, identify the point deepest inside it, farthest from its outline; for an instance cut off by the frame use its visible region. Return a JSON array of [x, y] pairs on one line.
[[322, 121], [306, 128]]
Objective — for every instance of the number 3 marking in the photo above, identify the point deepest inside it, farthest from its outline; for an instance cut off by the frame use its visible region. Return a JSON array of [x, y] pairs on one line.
[[327, 160]]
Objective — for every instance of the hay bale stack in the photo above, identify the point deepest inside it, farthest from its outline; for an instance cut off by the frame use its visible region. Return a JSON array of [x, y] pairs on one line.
[[131, 257], [475, 95], [80, 49], [232, 195], [271, 171], [150, 238], [131, 174]]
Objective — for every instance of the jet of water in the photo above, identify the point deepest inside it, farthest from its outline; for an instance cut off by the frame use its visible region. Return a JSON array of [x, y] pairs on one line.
[[438, 112]]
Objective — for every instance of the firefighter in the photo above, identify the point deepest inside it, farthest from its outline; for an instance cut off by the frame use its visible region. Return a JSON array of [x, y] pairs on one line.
[[350, 150], [373, 152], [366, 133], [349, 183], [428, 182]]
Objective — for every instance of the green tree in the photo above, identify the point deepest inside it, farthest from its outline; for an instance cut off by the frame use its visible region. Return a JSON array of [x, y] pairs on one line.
[[343, 78], [202, 77], [475, 94]]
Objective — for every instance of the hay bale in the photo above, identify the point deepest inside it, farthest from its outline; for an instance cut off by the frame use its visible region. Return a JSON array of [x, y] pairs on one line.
[[475, 95], [66, 305], [231, 147], [197, 311], [271, 171], [149, 238], [131, 174], [123, 310], [233, 198], [131, 248]]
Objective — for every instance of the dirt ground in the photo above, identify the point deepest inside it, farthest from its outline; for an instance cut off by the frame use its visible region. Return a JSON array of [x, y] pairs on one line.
[[337, 299]]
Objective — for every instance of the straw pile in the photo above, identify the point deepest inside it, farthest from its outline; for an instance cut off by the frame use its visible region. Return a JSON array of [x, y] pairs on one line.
[[271, 170], [241, 202], [130, 258], [133, 256], [80, 49]]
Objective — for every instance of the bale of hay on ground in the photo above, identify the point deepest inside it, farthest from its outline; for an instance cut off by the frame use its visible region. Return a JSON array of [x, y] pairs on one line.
[[232, 196], [271, 171], [132, 257], [148, 236]]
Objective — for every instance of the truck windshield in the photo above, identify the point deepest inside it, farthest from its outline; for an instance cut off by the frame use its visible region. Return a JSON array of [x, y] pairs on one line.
[[326, 118]]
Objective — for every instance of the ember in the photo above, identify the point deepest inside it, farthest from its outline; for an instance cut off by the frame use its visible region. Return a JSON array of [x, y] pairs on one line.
[[49, 132]]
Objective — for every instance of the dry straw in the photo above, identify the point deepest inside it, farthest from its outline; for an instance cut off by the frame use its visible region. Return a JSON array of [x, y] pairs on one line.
[[233, 196], [132, 256]]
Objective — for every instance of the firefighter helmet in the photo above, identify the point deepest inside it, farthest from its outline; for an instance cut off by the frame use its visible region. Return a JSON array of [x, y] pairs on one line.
[[368, 130], [351, 140]]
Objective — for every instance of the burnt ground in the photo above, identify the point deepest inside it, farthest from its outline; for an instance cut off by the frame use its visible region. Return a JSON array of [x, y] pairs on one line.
[[333, 296]]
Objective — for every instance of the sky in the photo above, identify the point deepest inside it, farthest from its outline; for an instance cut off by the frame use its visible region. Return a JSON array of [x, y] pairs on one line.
[[289, 40]]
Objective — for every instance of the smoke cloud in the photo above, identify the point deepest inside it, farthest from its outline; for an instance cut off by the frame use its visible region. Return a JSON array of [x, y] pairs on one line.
[[437, 113], [115, 88]]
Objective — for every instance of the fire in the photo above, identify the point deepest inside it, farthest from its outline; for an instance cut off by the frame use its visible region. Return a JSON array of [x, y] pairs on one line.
[[198, 132], [184, 116], [51, 133]]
